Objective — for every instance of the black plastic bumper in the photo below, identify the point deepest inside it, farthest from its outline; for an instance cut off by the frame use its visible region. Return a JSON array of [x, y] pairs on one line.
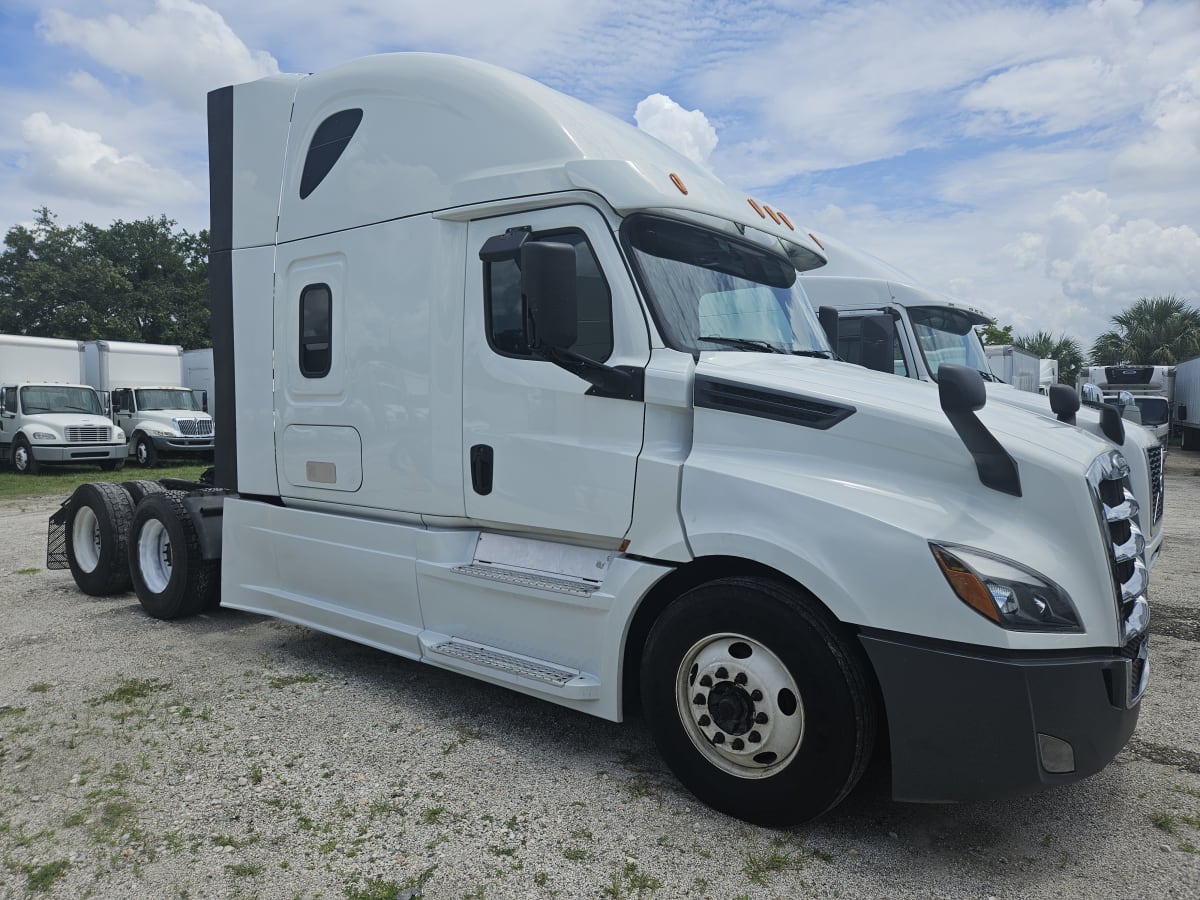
[[964, 721]]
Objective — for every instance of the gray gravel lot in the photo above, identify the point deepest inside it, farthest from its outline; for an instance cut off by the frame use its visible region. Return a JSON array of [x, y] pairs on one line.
[[232, 755]]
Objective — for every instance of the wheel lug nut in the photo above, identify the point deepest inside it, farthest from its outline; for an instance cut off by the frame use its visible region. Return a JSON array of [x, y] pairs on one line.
[[754, 737], [704, 721], [761, 718], [738, 744], [698, 700], [740, 678], [706, 681], [718, 738], [722, 673], [756, 695]]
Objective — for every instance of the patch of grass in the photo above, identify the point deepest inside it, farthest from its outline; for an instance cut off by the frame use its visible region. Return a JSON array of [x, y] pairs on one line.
[[40, 687], [642, 787], [382, 889], [130, 689], [244, 870], [40, 878], [630, 882], [463, 734], [575, 854], [282, 681], [32, 571], [540, 878], [61, 481], [1164, 822], [224, 840], [759, 868], [433, 815], [12, 711], [256, 774]]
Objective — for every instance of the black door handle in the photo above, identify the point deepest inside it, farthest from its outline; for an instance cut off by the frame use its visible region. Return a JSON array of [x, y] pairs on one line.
[[481, 469]]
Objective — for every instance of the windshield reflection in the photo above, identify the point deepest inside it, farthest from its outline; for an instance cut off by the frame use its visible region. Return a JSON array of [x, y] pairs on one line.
[[947, 336]]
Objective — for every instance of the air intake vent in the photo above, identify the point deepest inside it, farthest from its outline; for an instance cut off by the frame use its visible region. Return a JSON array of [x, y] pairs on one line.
[[1154, 458], [194, 427], [88, 434]]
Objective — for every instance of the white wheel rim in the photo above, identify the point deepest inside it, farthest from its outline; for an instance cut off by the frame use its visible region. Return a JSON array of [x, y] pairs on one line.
[[143, 452], [85, 539], [740, 705], [21, 458], [154, 556]]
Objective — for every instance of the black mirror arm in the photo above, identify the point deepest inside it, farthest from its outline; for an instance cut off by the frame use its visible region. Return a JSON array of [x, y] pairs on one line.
[[618, 382]]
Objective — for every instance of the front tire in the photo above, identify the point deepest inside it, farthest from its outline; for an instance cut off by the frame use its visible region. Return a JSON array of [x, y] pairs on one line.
[[23, 459], [171, 578], [112, 465], [145, 452], [97, 529], [756, 701]]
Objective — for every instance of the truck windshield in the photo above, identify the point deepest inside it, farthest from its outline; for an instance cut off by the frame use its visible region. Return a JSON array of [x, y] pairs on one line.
[[55, 398], [1154, 410], [714, 291], [948, 336], [164, 398]]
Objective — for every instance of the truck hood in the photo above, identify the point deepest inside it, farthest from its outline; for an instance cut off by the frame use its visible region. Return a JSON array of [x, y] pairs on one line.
[[1088, 418], [69, 420], [896, 405]]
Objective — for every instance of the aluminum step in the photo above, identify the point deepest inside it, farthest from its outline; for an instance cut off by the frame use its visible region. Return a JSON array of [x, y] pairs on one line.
[[575, 587], [512, 667]]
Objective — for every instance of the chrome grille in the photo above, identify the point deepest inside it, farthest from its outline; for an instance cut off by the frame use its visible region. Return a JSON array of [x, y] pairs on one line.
[[1118, 511], [1154, 458], [194, 427], [88, 434]]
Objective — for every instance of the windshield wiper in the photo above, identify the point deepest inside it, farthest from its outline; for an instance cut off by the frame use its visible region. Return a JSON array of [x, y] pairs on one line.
[[988, 376], [742, 343], [819, 354]]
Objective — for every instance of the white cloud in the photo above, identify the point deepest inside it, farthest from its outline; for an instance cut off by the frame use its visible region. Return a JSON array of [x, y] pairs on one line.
[[687, 131], [1169, 152], [71, 162], [181, 48]]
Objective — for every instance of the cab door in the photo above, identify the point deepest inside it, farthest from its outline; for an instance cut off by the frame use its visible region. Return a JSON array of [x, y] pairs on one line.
[[541, 450]]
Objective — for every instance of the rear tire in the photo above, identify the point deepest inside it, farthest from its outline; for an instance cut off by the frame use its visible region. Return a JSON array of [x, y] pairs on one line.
[[757, 703], [23, 459], [140, 488], [97, 530], [171, 578], [145, 452]]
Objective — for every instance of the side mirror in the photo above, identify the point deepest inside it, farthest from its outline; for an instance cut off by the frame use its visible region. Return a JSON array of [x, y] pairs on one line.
[[1064, 402], [548, 284], [201, 399], [828, 317], [961, 392], [878, 338], [1092, 395], [105, 402]]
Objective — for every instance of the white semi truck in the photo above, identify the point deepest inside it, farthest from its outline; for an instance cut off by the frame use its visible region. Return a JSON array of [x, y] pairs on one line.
[[147, 399], [1187, 403], [48, 416], [551, 410], [1145, 388], [888, 322]]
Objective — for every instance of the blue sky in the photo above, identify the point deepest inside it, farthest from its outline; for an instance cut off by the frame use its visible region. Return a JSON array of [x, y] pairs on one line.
[[1038, 160]]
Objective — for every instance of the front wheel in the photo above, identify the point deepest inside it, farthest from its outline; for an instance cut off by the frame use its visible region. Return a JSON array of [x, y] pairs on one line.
[[145, 452], [170, 576], [23, 459], [757, 702]]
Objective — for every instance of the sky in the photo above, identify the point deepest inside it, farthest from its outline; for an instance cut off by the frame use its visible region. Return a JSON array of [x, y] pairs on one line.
[[1037, 160]]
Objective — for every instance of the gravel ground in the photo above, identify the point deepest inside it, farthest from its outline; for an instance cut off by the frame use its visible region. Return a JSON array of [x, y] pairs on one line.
[[232, 755]]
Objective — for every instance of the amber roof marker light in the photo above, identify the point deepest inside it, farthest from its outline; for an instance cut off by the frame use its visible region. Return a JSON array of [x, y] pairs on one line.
[[754, 206], [816, 241], [678, 182]]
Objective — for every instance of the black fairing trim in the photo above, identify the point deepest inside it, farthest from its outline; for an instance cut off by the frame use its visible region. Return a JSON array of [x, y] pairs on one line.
[[713, 393], [220, 284], [961, 392]]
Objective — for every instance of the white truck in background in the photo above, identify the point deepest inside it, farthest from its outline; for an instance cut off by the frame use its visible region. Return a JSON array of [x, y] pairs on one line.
[[888, 322], [1048, 375], [1143, 391], [147, 399], [552, 410], [48, 416], [199, 377], [1187, 403], [1015, 365]]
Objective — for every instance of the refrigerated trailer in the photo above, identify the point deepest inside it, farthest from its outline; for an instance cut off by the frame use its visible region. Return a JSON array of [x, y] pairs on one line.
[[551, 410], [1187, 403], [48, 416], [1143, 390]]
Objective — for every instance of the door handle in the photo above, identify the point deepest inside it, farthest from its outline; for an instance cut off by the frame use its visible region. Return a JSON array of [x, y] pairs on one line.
[[481, 469]]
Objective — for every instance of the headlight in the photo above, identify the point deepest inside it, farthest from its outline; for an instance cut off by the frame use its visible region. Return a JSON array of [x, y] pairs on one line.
[[159, 431], [118, 435], [44, 436], [1006, 592]]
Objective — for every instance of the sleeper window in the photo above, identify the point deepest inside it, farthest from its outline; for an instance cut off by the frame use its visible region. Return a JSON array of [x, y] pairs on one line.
[[504, 306], [316, 331]]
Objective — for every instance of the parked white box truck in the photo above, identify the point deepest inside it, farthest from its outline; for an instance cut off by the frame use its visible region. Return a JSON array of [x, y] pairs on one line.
[[147, 399], [199, 378], [1015, 365], [1048, 375], [551, 409], [48, 416], [890, 323], [1187, 403], [1143, 390]]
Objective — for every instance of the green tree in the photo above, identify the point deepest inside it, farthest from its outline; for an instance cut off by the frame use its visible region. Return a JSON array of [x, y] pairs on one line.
[[1062, 348], [132, 281], [993, 334], [1153, 331]]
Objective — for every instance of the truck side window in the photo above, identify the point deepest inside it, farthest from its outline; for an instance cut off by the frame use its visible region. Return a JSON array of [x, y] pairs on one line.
[[10, 399], [316, 331], [328, 142], [504, 309]]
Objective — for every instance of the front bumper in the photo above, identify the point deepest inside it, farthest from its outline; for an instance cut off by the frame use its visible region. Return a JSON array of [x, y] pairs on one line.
[[974, 723], [71, 453], [184, 444]]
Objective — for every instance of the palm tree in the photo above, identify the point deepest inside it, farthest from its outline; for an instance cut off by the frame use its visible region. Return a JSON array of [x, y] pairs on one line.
[[1062, 348], [1154, 330]]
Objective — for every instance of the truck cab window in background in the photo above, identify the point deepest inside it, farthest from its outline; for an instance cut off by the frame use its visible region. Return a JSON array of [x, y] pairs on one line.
[[166, 398], [709, 290], [504, 310], [316, 331], [59, 399], [850, 344], [948, 336]]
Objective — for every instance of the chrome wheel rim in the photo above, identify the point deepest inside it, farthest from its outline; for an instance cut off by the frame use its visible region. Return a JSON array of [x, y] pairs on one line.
[[85, 539], [154, 556], [739, 705]]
